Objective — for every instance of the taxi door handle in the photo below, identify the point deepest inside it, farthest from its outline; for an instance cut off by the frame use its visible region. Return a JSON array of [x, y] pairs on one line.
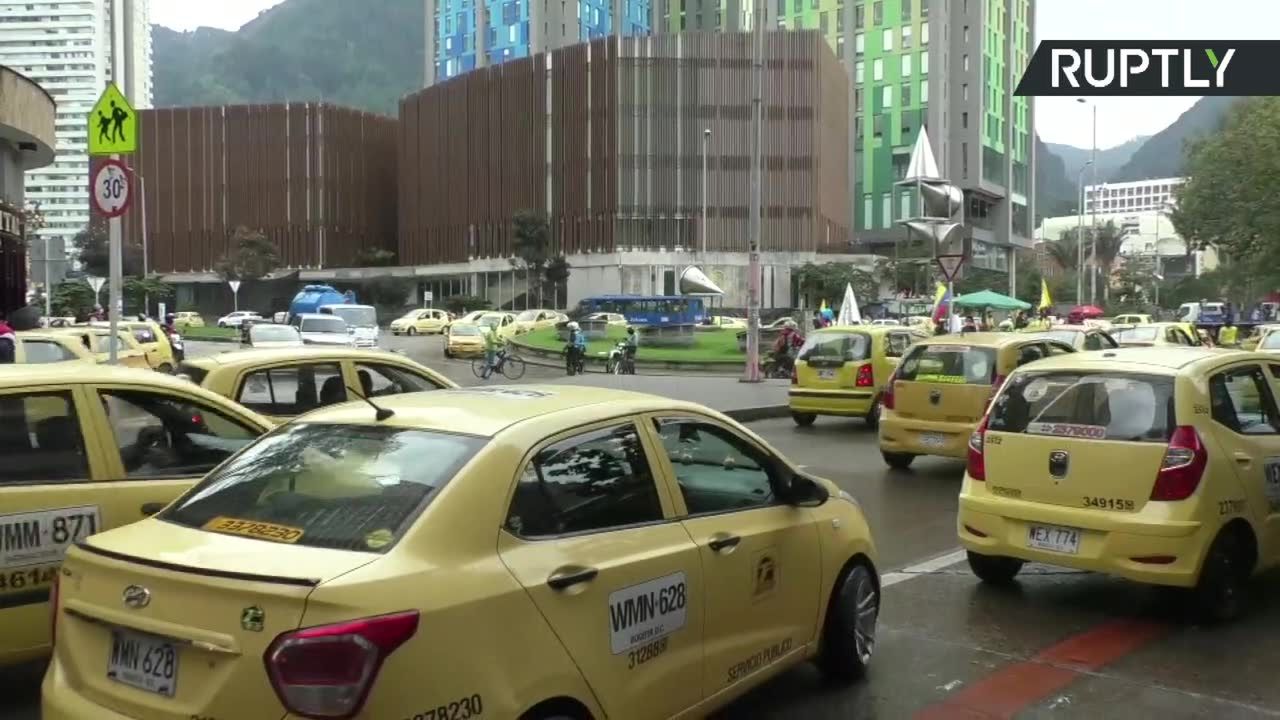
[[149, 509], [571, 575], [1242, 459], [724, 542]]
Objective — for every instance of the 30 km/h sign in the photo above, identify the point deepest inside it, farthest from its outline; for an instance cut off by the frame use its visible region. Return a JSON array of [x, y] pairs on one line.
[[113, 124], [112, 189]]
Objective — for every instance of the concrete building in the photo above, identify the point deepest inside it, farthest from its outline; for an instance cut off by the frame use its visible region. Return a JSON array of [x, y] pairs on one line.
[[606, 139], [1149, 238], [1131, 197], [66, 47], [27, 139]]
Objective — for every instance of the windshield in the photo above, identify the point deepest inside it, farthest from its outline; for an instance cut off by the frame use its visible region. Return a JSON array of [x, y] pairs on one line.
[[527, 316], [490, 320], [347, 487], [1066, 336], [834, 347], [957, 364], [274, 333], [1100, 406], [1271, 341], [323, 325], [357, 316], [1137, 334], [464, 330]]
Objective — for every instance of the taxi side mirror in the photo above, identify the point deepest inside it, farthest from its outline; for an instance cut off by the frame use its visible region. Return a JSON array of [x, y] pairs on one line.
[[801, 490]]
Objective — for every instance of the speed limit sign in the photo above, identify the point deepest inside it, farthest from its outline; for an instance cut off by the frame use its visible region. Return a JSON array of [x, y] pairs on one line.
[[112, 188]]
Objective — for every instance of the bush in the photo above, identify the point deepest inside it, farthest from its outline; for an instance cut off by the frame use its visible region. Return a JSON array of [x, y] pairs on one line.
[[459, 304]]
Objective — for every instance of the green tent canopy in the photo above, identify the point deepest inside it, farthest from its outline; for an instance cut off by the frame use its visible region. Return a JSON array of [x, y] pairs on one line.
[[991, 299]]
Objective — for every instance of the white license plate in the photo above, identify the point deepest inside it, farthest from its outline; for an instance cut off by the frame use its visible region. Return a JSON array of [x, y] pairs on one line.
[[827, 374], [42, 537], [1055, 538], [933, 440], [143, 661]]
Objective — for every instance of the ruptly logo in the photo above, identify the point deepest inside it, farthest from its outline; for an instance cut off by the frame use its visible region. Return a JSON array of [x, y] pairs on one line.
[[136, 597], [1151, 68]]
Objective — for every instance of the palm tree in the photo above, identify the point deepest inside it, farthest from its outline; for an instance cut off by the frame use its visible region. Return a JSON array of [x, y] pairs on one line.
[[1063, 251], [1107, 249]]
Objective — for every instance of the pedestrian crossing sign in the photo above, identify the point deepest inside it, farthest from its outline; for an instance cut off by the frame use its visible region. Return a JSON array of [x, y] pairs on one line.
[[113, 124]]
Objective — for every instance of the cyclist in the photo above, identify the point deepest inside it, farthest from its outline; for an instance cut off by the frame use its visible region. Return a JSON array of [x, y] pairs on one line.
[[633, 343], [491, 345], [577, 347]]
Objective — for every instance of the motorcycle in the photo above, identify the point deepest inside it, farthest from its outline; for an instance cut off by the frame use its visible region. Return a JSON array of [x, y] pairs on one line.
[[620, 362], [779, 366], [574, 364]]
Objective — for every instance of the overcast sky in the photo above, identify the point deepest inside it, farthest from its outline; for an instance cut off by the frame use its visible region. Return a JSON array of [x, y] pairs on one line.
[[1059, 120]]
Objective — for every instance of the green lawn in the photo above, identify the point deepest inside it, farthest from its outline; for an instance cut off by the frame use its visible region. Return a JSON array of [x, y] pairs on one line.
[[711, 346], [209, 332]]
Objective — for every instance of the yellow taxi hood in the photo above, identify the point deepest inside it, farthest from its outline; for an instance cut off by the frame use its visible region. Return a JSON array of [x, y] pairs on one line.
[[166, 545]]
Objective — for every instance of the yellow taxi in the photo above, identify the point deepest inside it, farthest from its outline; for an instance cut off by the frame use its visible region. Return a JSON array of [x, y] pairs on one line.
[[1132, 319], [842, 371], [504, 322], [1082, 337], [529, 320], [98, 341], [1263, 337], [1162, 334], [942, 387], [471, 317], [87, 448], [464, 339], [186, 319], [151, 339], [282, 383], [646, 556], [1198, 433], [39, 347], [421, 322]]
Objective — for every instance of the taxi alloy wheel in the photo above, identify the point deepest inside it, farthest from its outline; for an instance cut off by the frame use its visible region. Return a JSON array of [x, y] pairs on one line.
[[994, 569], [1220, 593], [803, 419], [849, 639], [898, 461]]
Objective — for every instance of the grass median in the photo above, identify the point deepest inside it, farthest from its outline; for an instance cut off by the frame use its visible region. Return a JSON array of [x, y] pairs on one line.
[[710, 346], [208, 332]]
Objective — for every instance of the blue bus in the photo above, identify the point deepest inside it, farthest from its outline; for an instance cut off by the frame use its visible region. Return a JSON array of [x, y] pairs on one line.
[[646, 310]]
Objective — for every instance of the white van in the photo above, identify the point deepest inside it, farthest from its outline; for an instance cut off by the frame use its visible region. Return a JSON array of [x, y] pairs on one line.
[[362, 322]]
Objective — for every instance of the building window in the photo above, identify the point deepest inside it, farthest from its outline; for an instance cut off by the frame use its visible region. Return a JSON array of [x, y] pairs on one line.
[[867, 211], [797, 6], [966, 33], [822, 23], [964, 118], [906, 65], [964, 160], [924, 63], [924, 32], [906, 37], [857, 100], [859, 72], [886, 96], [906, 9], [924, 91], [877, 126], [840, 46], [886, 41], [964, 63], [904, 198], [839, 22], [877, 69], [859, 16], [886, 210], [859, 43], [857, 129], [877, 13], [905, 100]]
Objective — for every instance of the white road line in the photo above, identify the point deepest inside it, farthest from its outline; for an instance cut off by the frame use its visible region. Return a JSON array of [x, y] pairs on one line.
[[922, 568]]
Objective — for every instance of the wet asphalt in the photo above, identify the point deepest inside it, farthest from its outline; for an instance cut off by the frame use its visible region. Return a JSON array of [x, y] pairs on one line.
[[1057, 644]]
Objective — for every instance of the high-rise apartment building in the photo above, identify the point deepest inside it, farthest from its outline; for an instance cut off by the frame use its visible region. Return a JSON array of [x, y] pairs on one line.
[[1131, 197], [520, 28], [66, 47]]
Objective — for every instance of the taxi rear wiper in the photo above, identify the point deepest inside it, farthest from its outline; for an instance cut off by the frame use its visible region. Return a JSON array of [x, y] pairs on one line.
[[380, 413]]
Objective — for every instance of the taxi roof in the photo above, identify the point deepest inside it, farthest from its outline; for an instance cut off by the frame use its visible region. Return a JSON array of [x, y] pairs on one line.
[[254, 356], [869, 329], [488, 410], [1163, 360], [83, 372], [983, 339]]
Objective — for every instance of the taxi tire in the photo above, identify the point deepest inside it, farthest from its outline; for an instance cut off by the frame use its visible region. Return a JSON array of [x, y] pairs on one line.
[[411, 332], [165, 368], [803, 419], [873, 415], [1220, 593], [841, 658], [994, 569], [898, 461]]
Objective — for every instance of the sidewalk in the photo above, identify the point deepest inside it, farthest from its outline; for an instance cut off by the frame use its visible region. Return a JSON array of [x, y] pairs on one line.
[[742, 401]]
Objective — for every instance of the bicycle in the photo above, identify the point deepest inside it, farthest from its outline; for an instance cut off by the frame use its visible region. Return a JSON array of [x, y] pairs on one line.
[[507, 363]]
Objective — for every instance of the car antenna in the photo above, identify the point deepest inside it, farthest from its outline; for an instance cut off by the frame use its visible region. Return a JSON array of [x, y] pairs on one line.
[[380, 413]]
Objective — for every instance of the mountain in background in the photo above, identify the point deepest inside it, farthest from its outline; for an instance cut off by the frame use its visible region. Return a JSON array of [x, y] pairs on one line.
[[1162, 155], [1055, 193], [1109, 160], [365, 54]]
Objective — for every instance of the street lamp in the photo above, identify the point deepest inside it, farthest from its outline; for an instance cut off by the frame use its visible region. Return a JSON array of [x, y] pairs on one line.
[[1080, 235], [1093, 231], [706, 138]]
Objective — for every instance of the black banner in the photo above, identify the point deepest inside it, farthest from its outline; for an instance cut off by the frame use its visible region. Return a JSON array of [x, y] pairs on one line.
[[1150, 68]]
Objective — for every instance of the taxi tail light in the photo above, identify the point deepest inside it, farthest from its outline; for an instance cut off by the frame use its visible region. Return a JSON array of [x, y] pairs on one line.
[[866, 377], [327, 671], [1184, 463], [977, 464], [886, 397]]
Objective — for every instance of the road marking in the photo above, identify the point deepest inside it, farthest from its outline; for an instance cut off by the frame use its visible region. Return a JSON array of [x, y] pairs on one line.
[[1018, 686], [922, 568]]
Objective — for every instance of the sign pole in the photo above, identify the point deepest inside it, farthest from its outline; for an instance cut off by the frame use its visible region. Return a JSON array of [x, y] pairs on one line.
[[113, 131], [754, 218], [117, 280]]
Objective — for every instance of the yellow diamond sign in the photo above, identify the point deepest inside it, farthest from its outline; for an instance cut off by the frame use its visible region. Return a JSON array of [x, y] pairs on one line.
[[113, 124]]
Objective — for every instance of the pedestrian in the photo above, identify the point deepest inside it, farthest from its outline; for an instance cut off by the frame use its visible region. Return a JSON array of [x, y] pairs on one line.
[[8, 343], [969, 325], [1227, 336], [491, 345]]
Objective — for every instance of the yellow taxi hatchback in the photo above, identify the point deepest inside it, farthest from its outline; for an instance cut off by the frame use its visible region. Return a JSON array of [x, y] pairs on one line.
[[579, 552], [942, 387], [36, 347], [1169, 333], [1082, 337], [842, 370], [98, 341], [421, 322], [151, 339], [1131, 319], [1263, 337], [1156, 465], [282, 383], [464, 340], [85, 448]]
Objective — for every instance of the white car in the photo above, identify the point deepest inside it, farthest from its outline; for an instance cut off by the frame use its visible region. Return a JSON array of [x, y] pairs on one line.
[[361, 320], [327, 330], [271, 335], [236, 318]]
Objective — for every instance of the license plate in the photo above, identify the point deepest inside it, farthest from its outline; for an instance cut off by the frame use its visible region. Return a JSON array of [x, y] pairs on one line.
[[933, 440], [143, 661], [1055, 538], [42, 537], [827, 374]]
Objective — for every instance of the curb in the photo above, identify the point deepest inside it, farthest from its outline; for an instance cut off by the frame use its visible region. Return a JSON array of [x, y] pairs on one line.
[[765, 412], [229, 341], [554, 358]]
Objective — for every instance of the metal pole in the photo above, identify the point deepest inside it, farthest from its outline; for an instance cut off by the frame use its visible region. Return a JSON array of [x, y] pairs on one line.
[[1080, 237], [48, 291], [1093, 232], [146, 296], [753, 236], [706, 137], [116, 260]]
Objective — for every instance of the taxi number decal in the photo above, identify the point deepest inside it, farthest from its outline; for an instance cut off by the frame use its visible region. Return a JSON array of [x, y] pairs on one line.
[[27, 579], [1230, 507], [644, 654], [41, 538], [1271, 480], [949, 348], [643, 613], [1088, 432], [252, 528], [764, 657], [947, 379], [461, 709], [1103, 503]]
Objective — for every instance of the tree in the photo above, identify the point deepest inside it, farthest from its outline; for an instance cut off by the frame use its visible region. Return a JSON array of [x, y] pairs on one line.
[[389, 293], [252, 256], [1107, 249], [93, 248], [556, 274], [1064, 251], [137, 290], [827, 281], [534, 256], [72, 298], [459, 304]]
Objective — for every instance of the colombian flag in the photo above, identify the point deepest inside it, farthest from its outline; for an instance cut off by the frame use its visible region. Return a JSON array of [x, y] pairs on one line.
[[941, 301]]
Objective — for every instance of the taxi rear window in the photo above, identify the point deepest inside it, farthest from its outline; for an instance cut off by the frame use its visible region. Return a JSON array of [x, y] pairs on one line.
[[958, 364], [346, 487], [1096, 406], [835, 347]]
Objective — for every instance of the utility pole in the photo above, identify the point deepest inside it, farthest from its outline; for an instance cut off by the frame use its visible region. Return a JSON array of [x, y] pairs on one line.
[[753, 233], [706, 138], [1080, 236], [115, 264]]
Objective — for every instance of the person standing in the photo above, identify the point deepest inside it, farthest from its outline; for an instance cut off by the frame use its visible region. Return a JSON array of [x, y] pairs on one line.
[[8, 344]]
